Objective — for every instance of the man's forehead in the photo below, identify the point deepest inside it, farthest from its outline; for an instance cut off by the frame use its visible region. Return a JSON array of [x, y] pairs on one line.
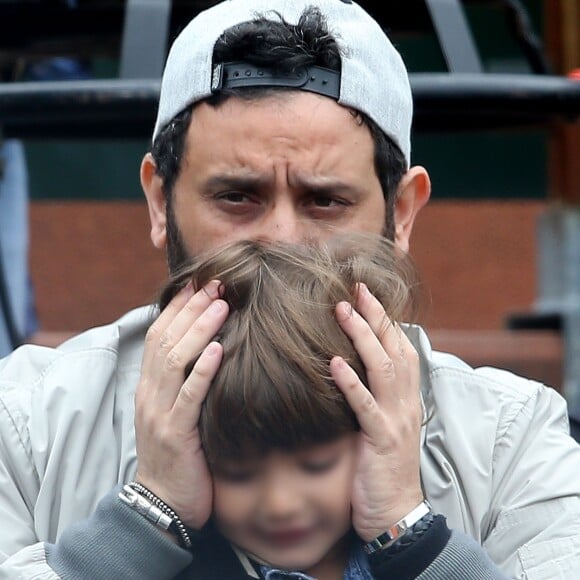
[[313, 145], [294, 120]]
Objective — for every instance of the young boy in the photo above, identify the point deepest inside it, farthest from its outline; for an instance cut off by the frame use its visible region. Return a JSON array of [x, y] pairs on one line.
[[291, 426]]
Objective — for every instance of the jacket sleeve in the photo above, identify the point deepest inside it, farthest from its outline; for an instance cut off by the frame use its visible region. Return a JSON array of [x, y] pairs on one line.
[[115, 542], [19, 486], [111, 541], [534, 528]]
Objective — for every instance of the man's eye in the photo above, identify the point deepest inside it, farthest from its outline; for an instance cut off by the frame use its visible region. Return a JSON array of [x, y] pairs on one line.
[[233, 197], [326, 201]]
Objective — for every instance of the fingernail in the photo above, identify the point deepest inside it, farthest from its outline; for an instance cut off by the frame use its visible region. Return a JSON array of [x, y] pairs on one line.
[[212, 289], [344, 309], [217, 306], [212, 349], [363, 289]]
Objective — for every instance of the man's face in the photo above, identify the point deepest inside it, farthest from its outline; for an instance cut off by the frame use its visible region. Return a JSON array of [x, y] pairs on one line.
[[290, 167], [290, 510]]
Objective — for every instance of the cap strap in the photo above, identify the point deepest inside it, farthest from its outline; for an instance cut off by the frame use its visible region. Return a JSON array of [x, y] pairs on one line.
[[316, 79]]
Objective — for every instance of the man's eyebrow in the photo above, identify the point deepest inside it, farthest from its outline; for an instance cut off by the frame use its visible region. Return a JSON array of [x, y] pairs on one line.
[[255, 182], [325, 185], [243, 181]]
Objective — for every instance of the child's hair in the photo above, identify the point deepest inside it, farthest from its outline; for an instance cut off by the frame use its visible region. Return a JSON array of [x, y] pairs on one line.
[[273, 389]]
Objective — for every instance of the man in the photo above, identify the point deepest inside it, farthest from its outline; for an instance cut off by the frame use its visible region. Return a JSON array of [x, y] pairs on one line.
[[277, 126]]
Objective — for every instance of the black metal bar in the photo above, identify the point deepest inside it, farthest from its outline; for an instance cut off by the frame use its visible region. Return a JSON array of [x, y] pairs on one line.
[[493, 101], [530, 42], [145, 33], [454, 35], [127, 108], [79, 109]]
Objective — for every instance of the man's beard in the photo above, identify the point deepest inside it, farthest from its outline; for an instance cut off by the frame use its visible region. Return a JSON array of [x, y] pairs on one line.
[[177, 255]]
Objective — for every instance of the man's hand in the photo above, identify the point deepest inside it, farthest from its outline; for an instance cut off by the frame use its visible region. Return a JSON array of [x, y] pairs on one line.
[[387, 482], [170, 458]]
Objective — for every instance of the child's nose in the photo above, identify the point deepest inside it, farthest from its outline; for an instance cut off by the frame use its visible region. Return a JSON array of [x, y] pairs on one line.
[[280, 501]]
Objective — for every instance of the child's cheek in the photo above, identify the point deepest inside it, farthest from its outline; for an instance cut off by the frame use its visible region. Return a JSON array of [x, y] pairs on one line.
[[233, 504]]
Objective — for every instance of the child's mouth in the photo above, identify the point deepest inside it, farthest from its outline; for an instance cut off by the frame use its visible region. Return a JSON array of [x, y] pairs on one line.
[[287, 537]]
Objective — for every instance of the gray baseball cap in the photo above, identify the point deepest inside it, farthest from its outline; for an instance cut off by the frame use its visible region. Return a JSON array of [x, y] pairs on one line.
[[373, 77]]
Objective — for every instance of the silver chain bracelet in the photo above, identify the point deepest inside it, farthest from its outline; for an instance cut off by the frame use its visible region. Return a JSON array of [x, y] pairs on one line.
[[146, 503]]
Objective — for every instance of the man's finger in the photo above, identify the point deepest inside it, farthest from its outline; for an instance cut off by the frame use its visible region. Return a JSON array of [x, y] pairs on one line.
[[187, 406], [382, 371], [193, 342], [175, 321], [359, 398], [156, 329], [389, 333], [392, 337]]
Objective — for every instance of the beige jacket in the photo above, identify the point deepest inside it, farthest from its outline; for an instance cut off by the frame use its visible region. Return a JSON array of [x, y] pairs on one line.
[[497, 459]]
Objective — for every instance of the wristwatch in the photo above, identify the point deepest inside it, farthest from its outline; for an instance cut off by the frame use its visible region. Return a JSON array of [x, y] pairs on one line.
[[422, 512]]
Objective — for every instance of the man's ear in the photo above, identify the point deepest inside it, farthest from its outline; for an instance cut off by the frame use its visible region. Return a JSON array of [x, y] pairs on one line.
[[152, 185], [413, 193]]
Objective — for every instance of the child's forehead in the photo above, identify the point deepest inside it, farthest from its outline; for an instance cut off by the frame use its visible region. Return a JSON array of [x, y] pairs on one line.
[[254, 457]]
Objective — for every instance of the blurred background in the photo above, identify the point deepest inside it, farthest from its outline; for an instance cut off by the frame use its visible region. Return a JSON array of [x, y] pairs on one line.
[[498, 165]]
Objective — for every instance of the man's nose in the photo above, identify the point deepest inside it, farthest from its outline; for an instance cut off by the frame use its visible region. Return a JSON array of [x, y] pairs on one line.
[[284, 223]]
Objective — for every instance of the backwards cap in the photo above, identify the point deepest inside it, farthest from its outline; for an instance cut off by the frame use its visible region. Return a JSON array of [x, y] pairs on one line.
[[373, 78]]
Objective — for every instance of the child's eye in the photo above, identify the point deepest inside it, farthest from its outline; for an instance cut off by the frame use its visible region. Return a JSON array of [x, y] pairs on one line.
[[319, 466], [238, 477]]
